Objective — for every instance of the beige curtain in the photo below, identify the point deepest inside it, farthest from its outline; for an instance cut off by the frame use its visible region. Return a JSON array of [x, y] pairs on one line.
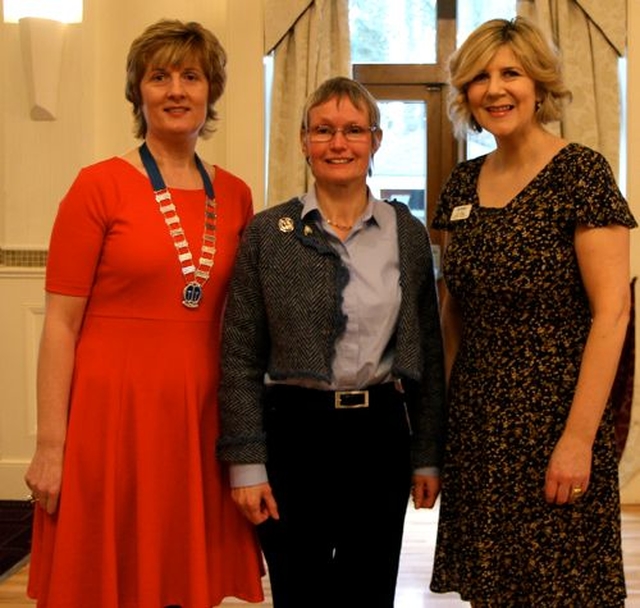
[[591, 35], [310, 41]]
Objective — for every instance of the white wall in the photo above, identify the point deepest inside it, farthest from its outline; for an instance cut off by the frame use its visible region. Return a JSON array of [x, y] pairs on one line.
[[21, 307]]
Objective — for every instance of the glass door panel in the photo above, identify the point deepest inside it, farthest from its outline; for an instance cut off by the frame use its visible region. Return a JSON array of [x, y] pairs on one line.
[[400, 170], [417, 151]]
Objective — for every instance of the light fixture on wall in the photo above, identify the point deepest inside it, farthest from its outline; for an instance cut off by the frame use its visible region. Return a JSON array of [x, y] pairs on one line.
[[42, 25]]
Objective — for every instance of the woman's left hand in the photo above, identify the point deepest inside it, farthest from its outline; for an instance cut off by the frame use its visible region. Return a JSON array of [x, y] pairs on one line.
[[425, 491], [257, 503], [569, 470]]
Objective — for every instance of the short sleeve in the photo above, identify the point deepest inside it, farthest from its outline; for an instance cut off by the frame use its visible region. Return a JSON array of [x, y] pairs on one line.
[[597, 198], [76, 239]]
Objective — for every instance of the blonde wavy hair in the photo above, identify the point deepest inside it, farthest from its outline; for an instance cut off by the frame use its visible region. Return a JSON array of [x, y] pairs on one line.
[[537, 55]]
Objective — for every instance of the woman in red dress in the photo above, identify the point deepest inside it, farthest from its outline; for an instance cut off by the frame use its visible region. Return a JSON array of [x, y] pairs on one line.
[[132, 508]]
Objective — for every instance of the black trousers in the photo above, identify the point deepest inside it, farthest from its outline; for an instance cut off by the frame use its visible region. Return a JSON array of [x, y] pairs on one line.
[[341, 478]]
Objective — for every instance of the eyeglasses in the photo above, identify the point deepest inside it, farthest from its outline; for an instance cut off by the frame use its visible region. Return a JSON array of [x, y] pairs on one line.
[[325, 133]]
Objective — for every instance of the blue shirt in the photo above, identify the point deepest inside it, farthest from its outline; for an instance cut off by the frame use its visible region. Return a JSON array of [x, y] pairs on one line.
[[371, 298]]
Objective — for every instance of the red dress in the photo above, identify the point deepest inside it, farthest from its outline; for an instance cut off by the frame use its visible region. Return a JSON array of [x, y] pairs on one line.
[[145, 517]]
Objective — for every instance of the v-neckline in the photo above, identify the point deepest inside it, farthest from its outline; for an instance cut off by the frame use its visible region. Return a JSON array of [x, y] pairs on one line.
[[523, 190]]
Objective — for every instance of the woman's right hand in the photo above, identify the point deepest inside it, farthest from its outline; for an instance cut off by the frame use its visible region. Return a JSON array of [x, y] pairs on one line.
[[256, 502], [56, 360], [44, 477]]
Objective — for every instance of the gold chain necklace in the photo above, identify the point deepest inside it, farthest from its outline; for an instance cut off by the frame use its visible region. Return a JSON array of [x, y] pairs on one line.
[[336, 225], [195, 278]]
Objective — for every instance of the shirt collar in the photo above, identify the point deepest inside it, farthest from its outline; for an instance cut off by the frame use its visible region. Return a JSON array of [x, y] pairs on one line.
[[311, 208]]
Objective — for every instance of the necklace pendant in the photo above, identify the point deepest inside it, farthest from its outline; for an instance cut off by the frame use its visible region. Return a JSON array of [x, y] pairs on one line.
[[192, 294]]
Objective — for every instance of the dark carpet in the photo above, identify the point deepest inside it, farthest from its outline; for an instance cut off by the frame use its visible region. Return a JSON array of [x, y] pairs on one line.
[[15, 534]]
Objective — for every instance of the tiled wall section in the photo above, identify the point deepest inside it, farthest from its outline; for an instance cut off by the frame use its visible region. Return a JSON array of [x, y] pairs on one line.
[[23, 257]]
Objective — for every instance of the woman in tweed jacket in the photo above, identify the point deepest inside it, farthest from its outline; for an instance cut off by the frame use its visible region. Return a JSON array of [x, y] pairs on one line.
[[332, 390]]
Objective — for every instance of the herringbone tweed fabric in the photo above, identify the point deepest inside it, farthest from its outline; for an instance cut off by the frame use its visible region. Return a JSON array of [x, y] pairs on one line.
[[284, 314]]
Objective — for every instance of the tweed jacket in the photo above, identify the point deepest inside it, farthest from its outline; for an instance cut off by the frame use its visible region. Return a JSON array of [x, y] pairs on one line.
[[284, 315]]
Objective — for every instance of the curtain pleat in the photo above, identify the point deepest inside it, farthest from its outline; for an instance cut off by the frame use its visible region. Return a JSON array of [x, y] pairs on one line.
[[279, 18], [314, 49]]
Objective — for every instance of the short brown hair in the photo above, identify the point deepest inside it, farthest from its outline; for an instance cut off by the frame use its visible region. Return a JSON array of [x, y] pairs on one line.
[[170, 42], [538, 56], [338, 88]]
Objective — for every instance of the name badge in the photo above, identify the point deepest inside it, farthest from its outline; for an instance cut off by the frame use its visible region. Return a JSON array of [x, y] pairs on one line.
[[462, 212]]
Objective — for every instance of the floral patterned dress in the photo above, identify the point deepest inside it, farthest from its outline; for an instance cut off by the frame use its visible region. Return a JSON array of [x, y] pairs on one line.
[[515, 276]]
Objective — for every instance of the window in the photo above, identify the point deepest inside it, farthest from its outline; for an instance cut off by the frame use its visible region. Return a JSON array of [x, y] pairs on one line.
[[471, 13], [622, 173], [403, 31], [403, 156], [399, 52]]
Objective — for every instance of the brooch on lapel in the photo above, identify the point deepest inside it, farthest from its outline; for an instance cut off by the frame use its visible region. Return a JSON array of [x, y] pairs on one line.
[[285, 224]]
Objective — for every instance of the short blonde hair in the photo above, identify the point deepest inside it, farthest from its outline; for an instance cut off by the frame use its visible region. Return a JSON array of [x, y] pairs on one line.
[[538, 56], [170, 42]]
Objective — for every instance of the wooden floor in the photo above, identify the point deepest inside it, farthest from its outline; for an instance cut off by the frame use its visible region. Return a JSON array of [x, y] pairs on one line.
[[415, 568]]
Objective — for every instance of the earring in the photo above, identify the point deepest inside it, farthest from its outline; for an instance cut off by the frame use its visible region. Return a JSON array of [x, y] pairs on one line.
[[538, 104]]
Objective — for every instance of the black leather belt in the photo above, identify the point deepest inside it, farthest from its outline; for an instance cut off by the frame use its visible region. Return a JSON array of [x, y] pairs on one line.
[[339, 400]]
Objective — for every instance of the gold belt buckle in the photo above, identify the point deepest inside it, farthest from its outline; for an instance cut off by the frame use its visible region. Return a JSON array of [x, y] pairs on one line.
[[348, 400]]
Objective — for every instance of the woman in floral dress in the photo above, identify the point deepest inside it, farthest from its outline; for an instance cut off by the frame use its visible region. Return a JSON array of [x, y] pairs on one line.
[[534, 318]]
